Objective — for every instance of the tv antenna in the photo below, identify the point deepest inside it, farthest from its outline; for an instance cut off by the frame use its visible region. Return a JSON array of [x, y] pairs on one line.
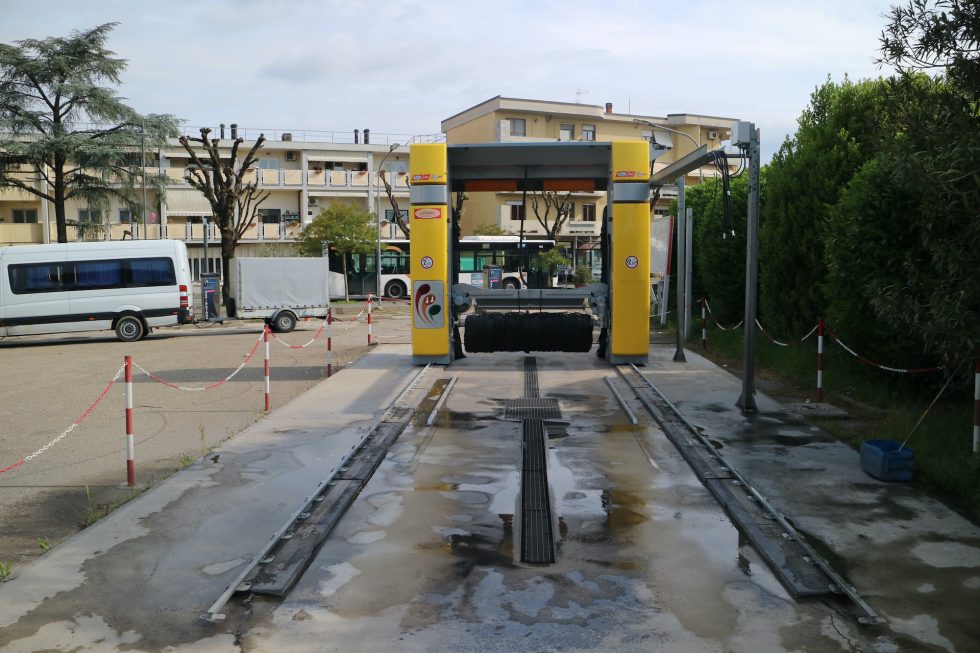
[[578, 96]]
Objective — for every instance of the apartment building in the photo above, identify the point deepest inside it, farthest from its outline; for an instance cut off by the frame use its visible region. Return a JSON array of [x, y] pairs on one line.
[[513, 120], [303, 171]]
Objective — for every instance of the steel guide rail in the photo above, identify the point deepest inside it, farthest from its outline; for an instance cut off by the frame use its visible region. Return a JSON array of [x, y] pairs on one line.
[[840, 586], [238, 584]]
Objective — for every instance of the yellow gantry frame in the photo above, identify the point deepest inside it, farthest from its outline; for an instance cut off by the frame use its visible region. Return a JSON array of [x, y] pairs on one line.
[[629, 283], [430, 266]]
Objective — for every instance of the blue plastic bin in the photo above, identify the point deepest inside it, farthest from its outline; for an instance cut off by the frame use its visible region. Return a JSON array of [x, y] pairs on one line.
[[884, 460]]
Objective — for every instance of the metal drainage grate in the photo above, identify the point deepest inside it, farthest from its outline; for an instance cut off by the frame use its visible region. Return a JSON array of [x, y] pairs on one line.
[[537, 532], [531, 377], [532, 409]]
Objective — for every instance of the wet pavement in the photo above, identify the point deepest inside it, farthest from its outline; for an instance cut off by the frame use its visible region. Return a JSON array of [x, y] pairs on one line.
[[425, 560]]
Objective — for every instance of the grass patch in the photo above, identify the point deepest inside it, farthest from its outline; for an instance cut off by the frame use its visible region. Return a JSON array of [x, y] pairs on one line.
[[5, 569], [881, 405], [94, 511], [44, 544]]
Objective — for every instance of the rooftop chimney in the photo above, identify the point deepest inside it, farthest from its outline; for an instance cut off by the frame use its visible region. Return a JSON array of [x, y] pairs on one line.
[[234, 130], [608, 107], [367, 136], [222, 130], [357, 136]]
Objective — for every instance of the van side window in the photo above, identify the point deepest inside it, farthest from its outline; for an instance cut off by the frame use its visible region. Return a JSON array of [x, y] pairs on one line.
[[150, 272], [91, 275], [36, 277], [98, 274]]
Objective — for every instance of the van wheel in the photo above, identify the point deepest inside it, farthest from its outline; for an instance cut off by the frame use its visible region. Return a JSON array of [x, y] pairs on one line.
[[510, 284], [284, 322], [396, 290], [129, 328]]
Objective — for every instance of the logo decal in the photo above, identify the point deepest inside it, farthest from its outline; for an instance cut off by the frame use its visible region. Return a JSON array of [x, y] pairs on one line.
[[427, 304], [626, 173], [426, 262], [427, 214], [632, 262]]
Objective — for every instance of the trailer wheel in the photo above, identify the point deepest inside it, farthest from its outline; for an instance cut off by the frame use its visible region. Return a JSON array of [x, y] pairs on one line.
[[284, 322], [510, 284], [129, 328], [396, 290]]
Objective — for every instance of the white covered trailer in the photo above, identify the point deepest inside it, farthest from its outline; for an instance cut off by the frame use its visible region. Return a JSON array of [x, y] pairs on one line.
[[281, 290]]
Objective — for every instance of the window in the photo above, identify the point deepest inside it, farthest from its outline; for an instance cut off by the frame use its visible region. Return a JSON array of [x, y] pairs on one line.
[[570, 208], [125, 216], [588, 132], [588, 212], [270, 216], [390, 215], [269, 163], [518, 127], [25, 216], [93, 216], [566, 132], [657, 211], [517, 212], [91, 275]]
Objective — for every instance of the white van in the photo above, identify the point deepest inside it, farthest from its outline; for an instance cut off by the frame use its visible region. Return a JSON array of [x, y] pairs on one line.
[[129, 286]]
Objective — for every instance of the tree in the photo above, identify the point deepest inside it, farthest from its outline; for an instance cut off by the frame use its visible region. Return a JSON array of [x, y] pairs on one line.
[[546, 201], [234, 202], [840, 130], [71, 131], [398, 214], [345, 229], [936, 35], [488, 229], [719, 245]]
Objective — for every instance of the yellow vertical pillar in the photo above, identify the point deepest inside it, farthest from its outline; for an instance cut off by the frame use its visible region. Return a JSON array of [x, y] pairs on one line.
[[430, 265], [629, 338]]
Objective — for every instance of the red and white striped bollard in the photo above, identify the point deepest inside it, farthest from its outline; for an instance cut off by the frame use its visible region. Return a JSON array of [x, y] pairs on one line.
[[819, 359], [268, 400], [976, 406], [704, 327], [369, 320], [329, 342], [130, 448]]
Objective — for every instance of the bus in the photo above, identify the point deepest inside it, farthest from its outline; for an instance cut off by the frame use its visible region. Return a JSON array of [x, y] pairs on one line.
[[472, 255], [128, 286]]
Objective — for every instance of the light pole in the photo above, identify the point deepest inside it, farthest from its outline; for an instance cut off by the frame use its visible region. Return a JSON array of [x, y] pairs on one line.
[[143, 176], [391, 149]]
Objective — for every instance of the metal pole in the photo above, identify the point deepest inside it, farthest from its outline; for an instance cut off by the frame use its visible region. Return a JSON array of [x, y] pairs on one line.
[[143, 176], [681, 267], [747, 401], [377, 208], [206, 267], [688, 265]]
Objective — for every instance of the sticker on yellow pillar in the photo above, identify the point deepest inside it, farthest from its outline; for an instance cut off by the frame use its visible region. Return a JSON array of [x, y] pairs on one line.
[[428, 299]]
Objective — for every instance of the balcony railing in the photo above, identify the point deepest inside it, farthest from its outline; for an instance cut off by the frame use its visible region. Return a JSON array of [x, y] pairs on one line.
[[283, 178]]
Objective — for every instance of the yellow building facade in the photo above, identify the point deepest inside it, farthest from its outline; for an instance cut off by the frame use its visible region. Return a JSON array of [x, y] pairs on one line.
[[514, 120], [303, 172]]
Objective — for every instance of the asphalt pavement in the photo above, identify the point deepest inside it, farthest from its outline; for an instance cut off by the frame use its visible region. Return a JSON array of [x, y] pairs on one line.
[[425, 558]]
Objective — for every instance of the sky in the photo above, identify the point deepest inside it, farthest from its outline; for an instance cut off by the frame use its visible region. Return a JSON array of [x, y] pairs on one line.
[[399, 67]]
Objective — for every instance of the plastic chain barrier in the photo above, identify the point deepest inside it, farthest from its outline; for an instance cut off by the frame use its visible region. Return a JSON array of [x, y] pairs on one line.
[[307, 343], [717, 323], [71, 428], [248, 357], [868, 361], [785, 344]]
